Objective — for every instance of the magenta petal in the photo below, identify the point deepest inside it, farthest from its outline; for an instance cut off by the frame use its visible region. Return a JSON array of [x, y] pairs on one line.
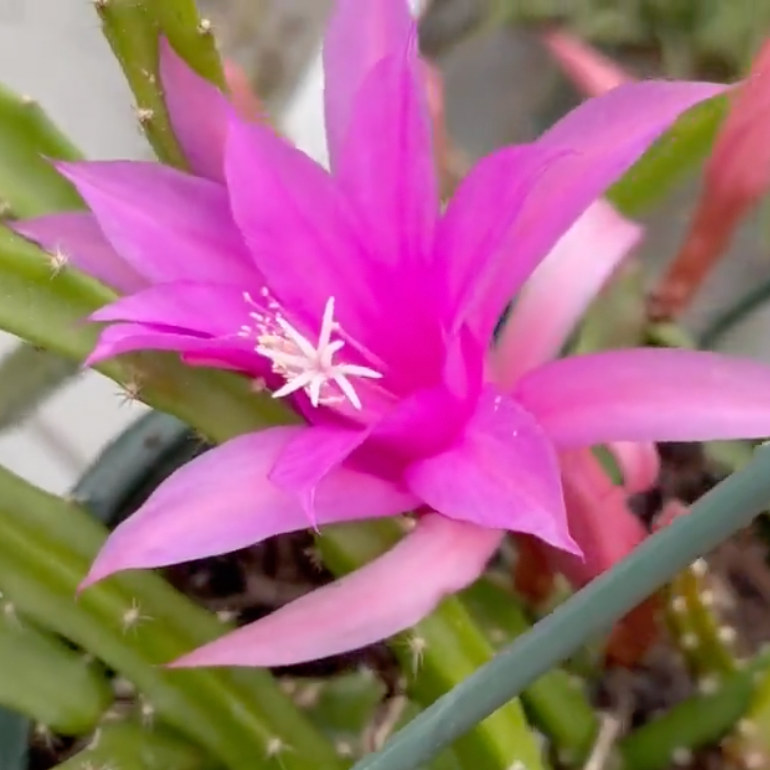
[[604, 137], [475, 230], [648, 395], [387, 596], [198, 113], [360, 33], [599, 519], [310, 457], [230, 353], [169, 226], [298, 226], [560, 290], [204, 308], [503, 474], [223, 501], [387, 165], [79, 237]]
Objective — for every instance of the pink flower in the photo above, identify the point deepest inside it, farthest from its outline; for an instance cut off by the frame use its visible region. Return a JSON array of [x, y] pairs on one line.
[[357, 298]]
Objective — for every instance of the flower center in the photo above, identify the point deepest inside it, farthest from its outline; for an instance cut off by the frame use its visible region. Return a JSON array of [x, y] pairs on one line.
[[302, 364]]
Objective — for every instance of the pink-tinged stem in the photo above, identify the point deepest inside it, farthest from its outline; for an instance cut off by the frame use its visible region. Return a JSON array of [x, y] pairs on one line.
[[591, 71], [737, 176]]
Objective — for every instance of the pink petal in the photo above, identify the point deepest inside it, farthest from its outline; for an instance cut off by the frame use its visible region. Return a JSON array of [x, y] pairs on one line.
[[585, 66], [386, 164], [387, 596], [599, 520], [309, 458], [639, 463], [604, 137], [480, 216], [648, 395], [210, 309], [223, 501], [243, 98], [503, 474], [198, 113], [561, 289], [298, 226], [80, 238], [229, 353], [167, 225], [360, 33]]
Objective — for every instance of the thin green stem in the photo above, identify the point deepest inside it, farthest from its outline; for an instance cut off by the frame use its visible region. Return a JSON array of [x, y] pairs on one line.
[[723, 511], [723, 323]]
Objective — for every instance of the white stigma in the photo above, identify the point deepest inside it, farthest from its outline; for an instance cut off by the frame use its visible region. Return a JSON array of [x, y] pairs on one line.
[[309, 367]]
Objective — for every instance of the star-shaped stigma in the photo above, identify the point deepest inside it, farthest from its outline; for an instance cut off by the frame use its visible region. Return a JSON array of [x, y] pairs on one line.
[[311, 367]]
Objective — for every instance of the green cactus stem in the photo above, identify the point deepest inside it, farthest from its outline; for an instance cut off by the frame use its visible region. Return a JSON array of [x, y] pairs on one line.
[[133, 29], [134, 623], [133, 746], [555, 703], [748, 746], [705, 641], [29, 184], [698, 722], [45, 680]]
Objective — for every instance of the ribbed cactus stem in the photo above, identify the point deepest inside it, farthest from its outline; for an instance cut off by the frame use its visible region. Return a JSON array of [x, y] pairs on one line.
[[748, 745], [699, 721], [133, 29], [47, 681], [135, 624], [706, 642], [556, 703], [29, 184], [130, 746]]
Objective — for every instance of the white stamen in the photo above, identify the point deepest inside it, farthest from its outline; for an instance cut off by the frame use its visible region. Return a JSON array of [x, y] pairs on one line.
[[306, 366]]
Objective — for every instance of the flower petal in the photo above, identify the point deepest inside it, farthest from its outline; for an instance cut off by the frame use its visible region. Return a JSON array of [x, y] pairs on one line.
[[79, 237], [215, 310], [387, 596], [599, 519], [477, 221], [223, 501], [298, 226], [503, 473], [229, 353], [309, 458], [648, 395], [386, 165], [560, 290], [603, 137], [639, 463], [169, 226], [360, 33], [197, 111]]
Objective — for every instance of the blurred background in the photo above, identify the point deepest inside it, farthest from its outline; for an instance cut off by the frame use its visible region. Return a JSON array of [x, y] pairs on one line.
[[501, 87]]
